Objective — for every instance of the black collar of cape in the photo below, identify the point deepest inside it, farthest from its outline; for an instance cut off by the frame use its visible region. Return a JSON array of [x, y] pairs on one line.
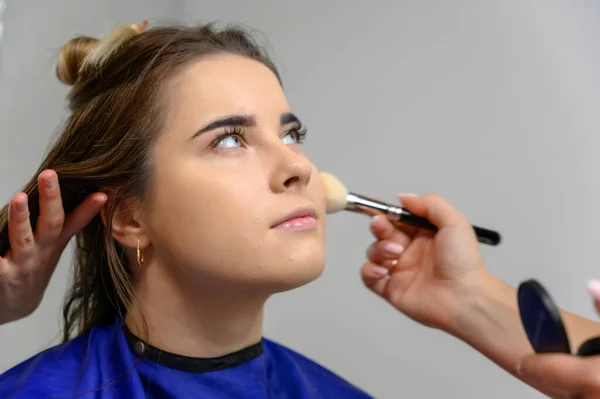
[[192, 364]]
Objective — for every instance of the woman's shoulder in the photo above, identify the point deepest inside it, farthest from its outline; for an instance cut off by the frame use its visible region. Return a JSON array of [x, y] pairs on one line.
[[58, 370], [292, 365]]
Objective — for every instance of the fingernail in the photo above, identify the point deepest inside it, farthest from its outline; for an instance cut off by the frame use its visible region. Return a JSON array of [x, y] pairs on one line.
[[21, 206], [520, 369], [593, 287], [375, 219], [410, 195], [49, 183], [393, 248], [381, 271]]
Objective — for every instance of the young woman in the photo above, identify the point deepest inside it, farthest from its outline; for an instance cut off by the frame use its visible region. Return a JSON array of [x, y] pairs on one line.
[[210, 208]]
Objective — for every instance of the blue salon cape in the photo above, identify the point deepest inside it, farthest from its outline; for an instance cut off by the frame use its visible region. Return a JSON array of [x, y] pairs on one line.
[[103, 364]]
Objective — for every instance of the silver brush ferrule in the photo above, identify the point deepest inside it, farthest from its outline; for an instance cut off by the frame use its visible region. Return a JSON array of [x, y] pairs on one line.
[[361, 204]]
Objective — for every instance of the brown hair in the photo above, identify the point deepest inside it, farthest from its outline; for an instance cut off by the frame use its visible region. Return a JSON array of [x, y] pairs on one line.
[[116, 113]]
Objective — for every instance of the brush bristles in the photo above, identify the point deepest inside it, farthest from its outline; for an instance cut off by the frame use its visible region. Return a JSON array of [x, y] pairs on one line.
[[335, 193]]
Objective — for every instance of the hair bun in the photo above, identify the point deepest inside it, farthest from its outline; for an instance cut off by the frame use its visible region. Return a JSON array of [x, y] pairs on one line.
[[71, 59], [83, 52]]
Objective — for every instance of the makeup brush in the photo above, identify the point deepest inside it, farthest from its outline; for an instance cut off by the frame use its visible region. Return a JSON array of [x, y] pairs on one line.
[[339, 199]]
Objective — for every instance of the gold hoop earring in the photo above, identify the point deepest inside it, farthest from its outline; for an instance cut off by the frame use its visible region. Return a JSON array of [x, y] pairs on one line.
[[140, 254]]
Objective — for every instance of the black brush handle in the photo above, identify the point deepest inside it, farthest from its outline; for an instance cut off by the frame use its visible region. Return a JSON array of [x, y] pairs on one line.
[[484, 236]]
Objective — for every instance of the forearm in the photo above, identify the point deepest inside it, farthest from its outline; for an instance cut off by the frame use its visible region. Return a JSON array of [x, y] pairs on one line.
[[489, 321], [579, 329]]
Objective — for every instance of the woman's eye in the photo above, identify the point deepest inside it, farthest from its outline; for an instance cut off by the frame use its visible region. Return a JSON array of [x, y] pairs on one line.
[[230, 141], [291, 138]]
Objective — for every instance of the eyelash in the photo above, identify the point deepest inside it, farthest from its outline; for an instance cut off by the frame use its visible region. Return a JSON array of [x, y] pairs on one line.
[[300, 132], [229, 131]]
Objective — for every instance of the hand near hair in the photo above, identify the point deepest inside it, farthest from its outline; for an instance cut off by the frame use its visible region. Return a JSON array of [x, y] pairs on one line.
[[573, 376], [26, 268]]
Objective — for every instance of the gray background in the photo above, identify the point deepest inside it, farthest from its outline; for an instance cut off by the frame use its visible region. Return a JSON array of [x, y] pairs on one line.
[[492, 104]]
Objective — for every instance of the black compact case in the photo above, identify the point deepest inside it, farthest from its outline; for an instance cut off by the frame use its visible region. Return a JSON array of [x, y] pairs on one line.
[[543, 325]]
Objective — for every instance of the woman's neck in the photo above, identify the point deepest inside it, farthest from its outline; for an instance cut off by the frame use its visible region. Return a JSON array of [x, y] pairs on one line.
[[196, 321]]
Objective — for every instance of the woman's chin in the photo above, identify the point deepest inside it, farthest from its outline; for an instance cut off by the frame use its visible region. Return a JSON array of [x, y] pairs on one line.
[[294, 275]]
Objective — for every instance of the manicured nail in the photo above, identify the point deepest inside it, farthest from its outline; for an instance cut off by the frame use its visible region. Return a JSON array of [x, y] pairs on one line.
[[593, 287], [375, 219], [380, 271], [393, 248]]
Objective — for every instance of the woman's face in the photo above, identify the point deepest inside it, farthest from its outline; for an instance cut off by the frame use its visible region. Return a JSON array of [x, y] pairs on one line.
[[234, 200]]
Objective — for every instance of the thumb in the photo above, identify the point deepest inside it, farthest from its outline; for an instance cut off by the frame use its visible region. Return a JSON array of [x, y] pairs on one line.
[[82, 216], [435, 209]]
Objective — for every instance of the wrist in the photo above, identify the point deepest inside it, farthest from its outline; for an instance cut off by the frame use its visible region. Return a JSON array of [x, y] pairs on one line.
[[485, 304]]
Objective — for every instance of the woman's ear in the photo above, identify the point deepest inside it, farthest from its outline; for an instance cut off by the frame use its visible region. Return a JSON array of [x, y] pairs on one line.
[[126, 226]]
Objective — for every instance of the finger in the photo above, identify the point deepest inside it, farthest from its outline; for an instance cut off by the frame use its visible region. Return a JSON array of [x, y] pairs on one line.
[[383, 229], [20, 235], [571, 373], [82, 215], [594, 290], [384, 253], [374, 277], [435, 209], [410, 230], [52, 215]]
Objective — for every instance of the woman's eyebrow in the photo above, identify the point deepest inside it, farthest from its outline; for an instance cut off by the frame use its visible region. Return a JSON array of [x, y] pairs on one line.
[[227, 121], [242, 120], [289, 117]]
